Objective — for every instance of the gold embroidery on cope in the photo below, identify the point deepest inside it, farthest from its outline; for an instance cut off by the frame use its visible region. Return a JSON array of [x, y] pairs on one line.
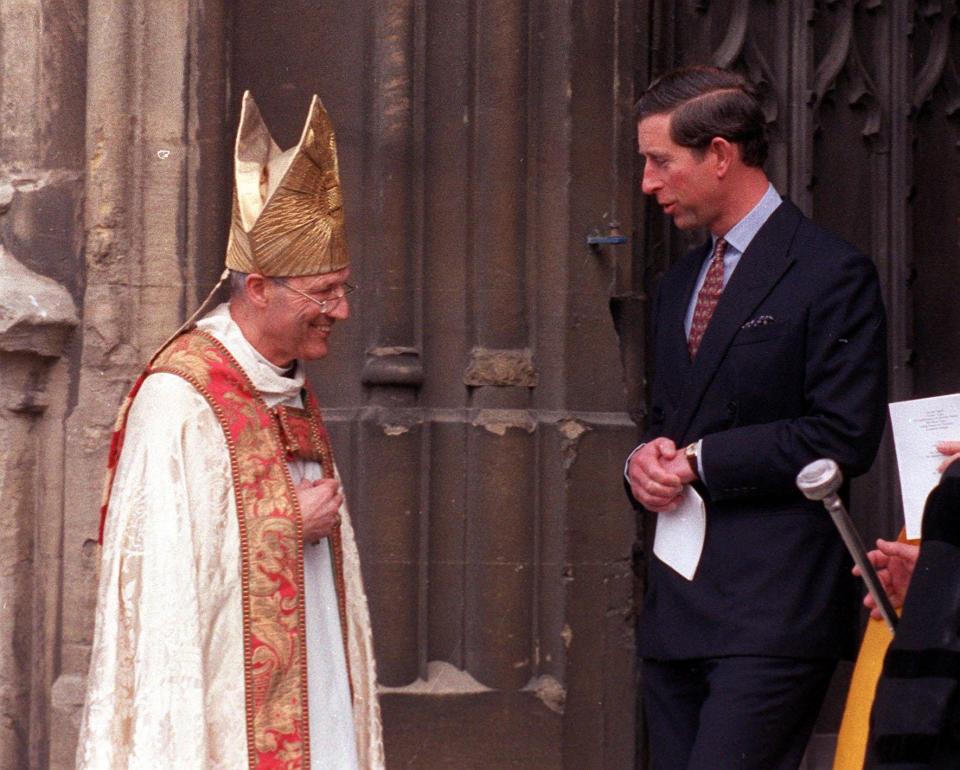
[[271, 545]]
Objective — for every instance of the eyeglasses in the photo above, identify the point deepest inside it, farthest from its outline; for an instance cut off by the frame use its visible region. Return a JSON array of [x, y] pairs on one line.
[[327, 303]]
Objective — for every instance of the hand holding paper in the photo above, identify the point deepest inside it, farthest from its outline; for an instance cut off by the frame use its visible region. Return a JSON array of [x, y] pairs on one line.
[[951, 450], [919, 427]]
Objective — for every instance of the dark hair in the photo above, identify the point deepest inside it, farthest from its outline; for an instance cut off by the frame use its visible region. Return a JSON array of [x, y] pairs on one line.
[[706, 102]]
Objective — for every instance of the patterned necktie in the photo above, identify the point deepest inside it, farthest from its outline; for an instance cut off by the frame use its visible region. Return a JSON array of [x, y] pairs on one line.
[[707, 298]]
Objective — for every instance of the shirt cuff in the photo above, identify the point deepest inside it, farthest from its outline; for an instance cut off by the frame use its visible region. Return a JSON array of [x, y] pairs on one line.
[[703, 479], [626, 465]]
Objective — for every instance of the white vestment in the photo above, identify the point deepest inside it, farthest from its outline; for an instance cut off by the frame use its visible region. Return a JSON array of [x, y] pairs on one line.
[[166, 682]]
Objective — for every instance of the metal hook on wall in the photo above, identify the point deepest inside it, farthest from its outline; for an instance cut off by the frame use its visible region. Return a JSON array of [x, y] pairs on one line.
[[613, 238]]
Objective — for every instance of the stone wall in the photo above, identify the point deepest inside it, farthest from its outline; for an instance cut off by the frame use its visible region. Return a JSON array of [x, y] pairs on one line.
[[153, 173], [36, 318], [42, 74], [108, 176]]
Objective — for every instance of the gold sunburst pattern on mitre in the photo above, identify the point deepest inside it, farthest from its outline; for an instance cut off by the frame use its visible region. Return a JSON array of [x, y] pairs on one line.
[[287, 206]]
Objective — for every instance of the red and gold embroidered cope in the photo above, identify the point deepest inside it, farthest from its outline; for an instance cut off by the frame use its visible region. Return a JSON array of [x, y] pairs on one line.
[[260, 441]]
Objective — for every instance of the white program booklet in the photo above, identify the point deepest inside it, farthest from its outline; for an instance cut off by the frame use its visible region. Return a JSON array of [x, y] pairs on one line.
[[680, 534], [918, 426]]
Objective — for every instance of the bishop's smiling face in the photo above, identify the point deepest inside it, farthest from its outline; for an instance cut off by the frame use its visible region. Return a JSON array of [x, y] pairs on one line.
[[294, 326], [683, 180]]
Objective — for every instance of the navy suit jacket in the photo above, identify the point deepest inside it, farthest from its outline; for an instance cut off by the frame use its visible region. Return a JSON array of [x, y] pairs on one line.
[[792, 368]]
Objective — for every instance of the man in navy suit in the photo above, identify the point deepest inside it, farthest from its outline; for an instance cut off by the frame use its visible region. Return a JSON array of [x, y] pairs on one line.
[[769, 352]]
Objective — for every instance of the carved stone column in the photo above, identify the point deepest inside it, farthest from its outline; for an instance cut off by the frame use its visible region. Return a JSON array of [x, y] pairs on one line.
[[41, 188], [36, 318], [154, 183]]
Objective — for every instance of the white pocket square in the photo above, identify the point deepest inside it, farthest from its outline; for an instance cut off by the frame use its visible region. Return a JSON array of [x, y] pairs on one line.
[[760, 320]]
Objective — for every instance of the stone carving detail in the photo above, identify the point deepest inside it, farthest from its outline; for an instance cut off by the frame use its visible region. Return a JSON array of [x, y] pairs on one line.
[[842, 54], [732, 46], [36, 313], [938, 20], [739, 46], [37, 316], [501, 368]]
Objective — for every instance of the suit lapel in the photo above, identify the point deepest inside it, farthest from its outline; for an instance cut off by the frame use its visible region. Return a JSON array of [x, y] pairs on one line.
[[766, 259]]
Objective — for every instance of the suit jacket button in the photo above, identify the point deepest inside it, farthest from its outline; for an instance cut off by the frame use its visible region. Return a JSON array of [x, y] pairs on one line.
[[732, 407]]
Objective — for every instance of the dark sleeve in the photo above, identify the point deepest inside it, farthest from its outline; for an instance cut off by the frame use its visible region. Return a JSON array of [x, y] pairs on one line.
[[941, 514], [916, 713], [844, 393]]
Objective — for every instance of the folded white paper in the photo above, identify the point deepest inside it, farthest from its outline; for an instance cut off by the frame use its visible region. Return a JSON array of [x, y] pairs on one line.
[[680, 534], [918, 426]]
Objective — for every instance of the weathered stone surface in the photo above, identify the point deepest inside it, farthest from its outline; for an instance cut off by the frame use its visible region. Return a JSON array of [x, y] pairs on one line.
[[66, 707], [393, 366], [494, 730], [442, 679], [20, 29], [42, 224], [23, 383], [36, 317], [6, 195], [42, 98], [36, 313], [551, 693], [499, 421], [16, 567], [153, 160], [501, 368]]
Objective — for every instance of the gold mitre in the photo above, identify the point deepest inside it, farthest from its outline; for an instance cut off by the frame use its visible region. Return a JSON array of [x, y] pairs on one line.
[[287, 206]]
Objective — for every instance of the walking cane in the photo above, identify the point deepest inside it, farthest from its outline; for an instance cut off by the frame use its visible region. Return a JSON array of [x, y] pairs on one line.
[[820, 480]]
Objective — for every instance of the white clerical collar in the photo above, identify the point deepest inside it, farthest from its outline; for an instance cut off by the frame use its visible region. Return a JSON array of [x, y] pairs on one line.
[[274, 383]]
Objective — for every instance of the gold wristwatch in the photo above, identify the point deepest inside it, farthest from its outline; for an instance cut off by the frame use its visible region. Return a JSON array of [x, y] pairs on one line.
[[691, 454]]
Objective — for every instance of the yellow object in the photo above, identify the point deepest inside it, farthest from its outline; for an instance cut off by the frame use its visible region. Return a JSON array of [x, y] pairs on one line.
[[855, 725], [287, 214]]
